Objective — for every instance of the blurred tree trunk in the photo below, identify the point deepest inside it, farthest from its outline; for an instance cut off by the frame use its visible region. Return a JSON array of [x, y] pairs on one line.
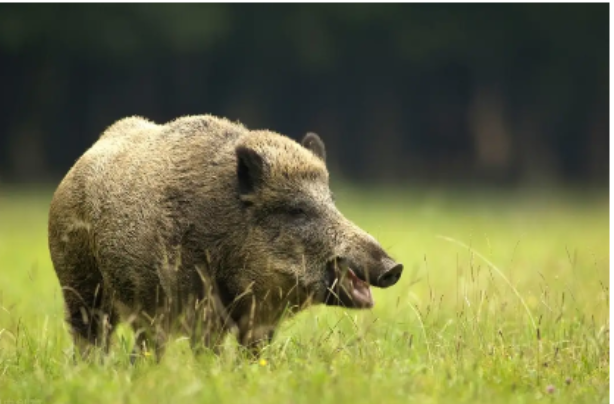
[[190, 93], [27, 158], [329, 127], [383, 134], [536, 162], [490, 131], [598, 138], [245, 106]]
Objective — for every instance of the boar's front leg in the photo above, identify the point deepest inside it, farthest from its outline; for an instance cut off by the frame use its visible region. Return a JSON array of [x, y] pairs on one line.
[[209, 325], [255, 337], [254, 333]]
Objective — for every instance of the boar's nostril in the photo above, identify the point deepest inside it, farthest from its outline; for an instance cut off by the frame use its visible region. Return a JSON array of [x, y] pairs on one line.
[[390, 277]]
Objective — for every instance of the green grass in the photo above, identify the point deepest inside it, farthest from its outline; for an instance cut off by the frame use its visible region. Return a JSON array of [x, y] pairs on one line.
[[453, 330]]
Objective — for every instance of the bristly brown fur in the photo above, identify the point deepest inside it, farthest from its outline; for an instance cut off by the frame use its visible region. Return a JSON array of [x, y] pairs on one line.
[[199, 225]]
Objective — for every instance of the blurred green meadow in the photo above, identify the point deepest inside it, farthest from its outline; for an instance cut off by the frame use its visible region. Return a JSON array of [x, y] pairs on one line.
[[511, 306]]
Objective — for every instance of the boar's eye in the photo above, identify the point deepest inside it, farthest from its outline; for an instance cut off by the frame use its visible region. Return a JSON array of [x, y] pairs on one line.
[[291, 211], [297, 212]]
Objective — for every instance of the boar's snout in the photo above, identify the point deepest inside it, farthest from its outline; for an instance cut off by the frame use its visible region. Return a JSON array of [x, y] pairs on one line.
[[359, 263], [348, 284], [391, 274]]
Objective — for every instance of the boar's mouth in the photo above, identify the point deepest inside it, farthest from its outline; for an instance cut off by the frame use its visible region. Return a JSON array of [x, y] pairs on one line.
[[345, 288]]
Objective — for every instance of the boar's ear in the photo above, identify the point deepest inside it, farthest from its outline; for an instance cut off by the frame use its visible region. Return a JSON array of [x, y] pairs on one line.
[[250, 169], [312, 142]]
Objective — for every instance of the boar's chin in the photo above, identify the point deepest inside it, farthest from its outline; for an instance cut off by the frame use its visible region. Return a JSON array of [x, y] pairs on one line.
[[345, 288]]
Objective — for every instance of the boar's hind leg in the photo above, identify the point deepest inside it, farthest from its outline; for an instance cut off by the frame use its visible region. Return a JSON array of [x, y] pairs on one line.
[[92, 318], [150, 338], [89, 308]]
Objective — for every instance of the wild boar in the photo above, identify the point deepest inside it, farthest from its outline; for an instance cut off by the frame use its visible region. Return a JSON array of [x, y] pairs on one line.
[[205, 221]]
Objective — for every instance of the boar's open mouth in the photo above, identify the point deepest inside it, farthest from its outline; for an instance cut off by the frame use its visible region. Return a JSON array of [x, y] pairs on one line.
[[345, 288]]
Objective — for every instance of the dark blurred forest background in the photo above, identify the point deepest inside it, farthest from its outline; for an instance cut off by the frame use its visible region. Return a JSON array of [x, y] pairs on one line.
[[503, 94]]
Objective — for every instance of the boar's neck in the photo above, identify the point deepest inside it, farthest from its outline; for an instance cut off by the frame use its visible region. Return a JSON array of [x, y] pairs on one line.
[[204, 218]]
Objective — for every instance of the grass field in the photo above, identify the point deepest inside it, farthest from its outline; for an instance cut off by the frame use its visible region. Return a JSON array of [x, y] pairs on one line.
[[531, 327]]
